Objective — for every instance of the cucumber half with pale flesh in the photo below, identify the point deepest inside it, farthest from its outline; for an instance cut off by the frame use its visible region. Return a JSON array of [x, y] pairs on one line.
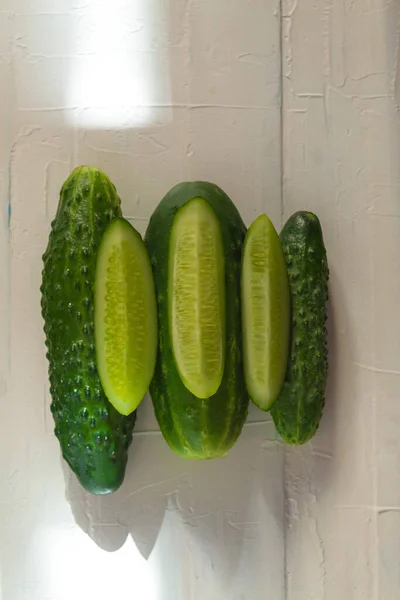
[[125, 316], [196, 297], [265, 313]]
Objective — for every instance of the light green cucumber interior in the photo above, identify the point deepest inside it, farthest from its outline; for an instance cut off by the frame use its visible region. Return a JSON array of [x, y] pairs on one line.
[[265, 313], [125, 317], [196, 297]]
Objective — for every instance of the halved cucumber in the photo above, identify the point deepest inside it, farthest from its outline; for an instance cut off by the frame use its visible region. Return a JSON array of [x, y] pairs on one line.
[[196, 297], [125, 316], [265, 313]]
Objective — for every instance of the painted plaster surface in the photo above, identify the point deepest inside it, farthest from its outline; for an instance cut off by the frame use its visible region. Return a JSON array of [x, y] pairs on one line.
[[285, 107], [341, 158]]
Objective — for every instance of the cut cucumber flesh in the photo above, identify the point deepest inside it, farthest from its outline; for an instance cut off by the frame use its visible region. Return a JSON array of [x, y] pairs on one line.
[[265, 313], [196, 297], [125, 316]]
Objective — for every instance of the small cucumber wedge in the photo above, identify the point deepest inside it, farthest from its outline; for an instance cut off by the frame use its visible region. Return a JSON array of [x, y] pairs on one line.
[[125, 316], [196, 297], [265, 313]]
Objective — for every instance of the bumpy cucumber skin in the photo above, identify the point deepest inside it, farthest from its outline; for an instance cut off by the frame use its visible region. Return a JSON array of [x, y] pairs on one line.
[[198, 428], [298, 410], [94, 437]]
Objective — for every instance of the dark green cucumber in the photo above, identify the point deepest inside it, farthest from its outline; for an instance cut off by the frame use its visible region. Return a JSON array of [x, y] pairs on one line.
[[94, 437], [298, 410], [198, 428]]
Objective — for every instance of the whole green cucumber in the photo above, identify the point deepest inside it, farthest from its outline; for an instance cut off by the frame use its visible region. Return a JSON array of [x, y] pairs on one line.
[[94, 437], [198, 428], [298, 410]]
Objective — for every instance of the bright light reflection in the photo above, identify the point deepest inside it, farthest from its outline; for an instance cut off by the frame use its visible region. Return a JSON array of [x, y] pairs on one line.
[[72, 566], [112, 85]]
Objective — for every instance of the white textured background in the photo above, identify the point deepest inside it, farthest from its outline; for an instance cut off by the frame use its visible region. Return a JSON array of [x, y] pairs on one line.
[[285, 107]]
